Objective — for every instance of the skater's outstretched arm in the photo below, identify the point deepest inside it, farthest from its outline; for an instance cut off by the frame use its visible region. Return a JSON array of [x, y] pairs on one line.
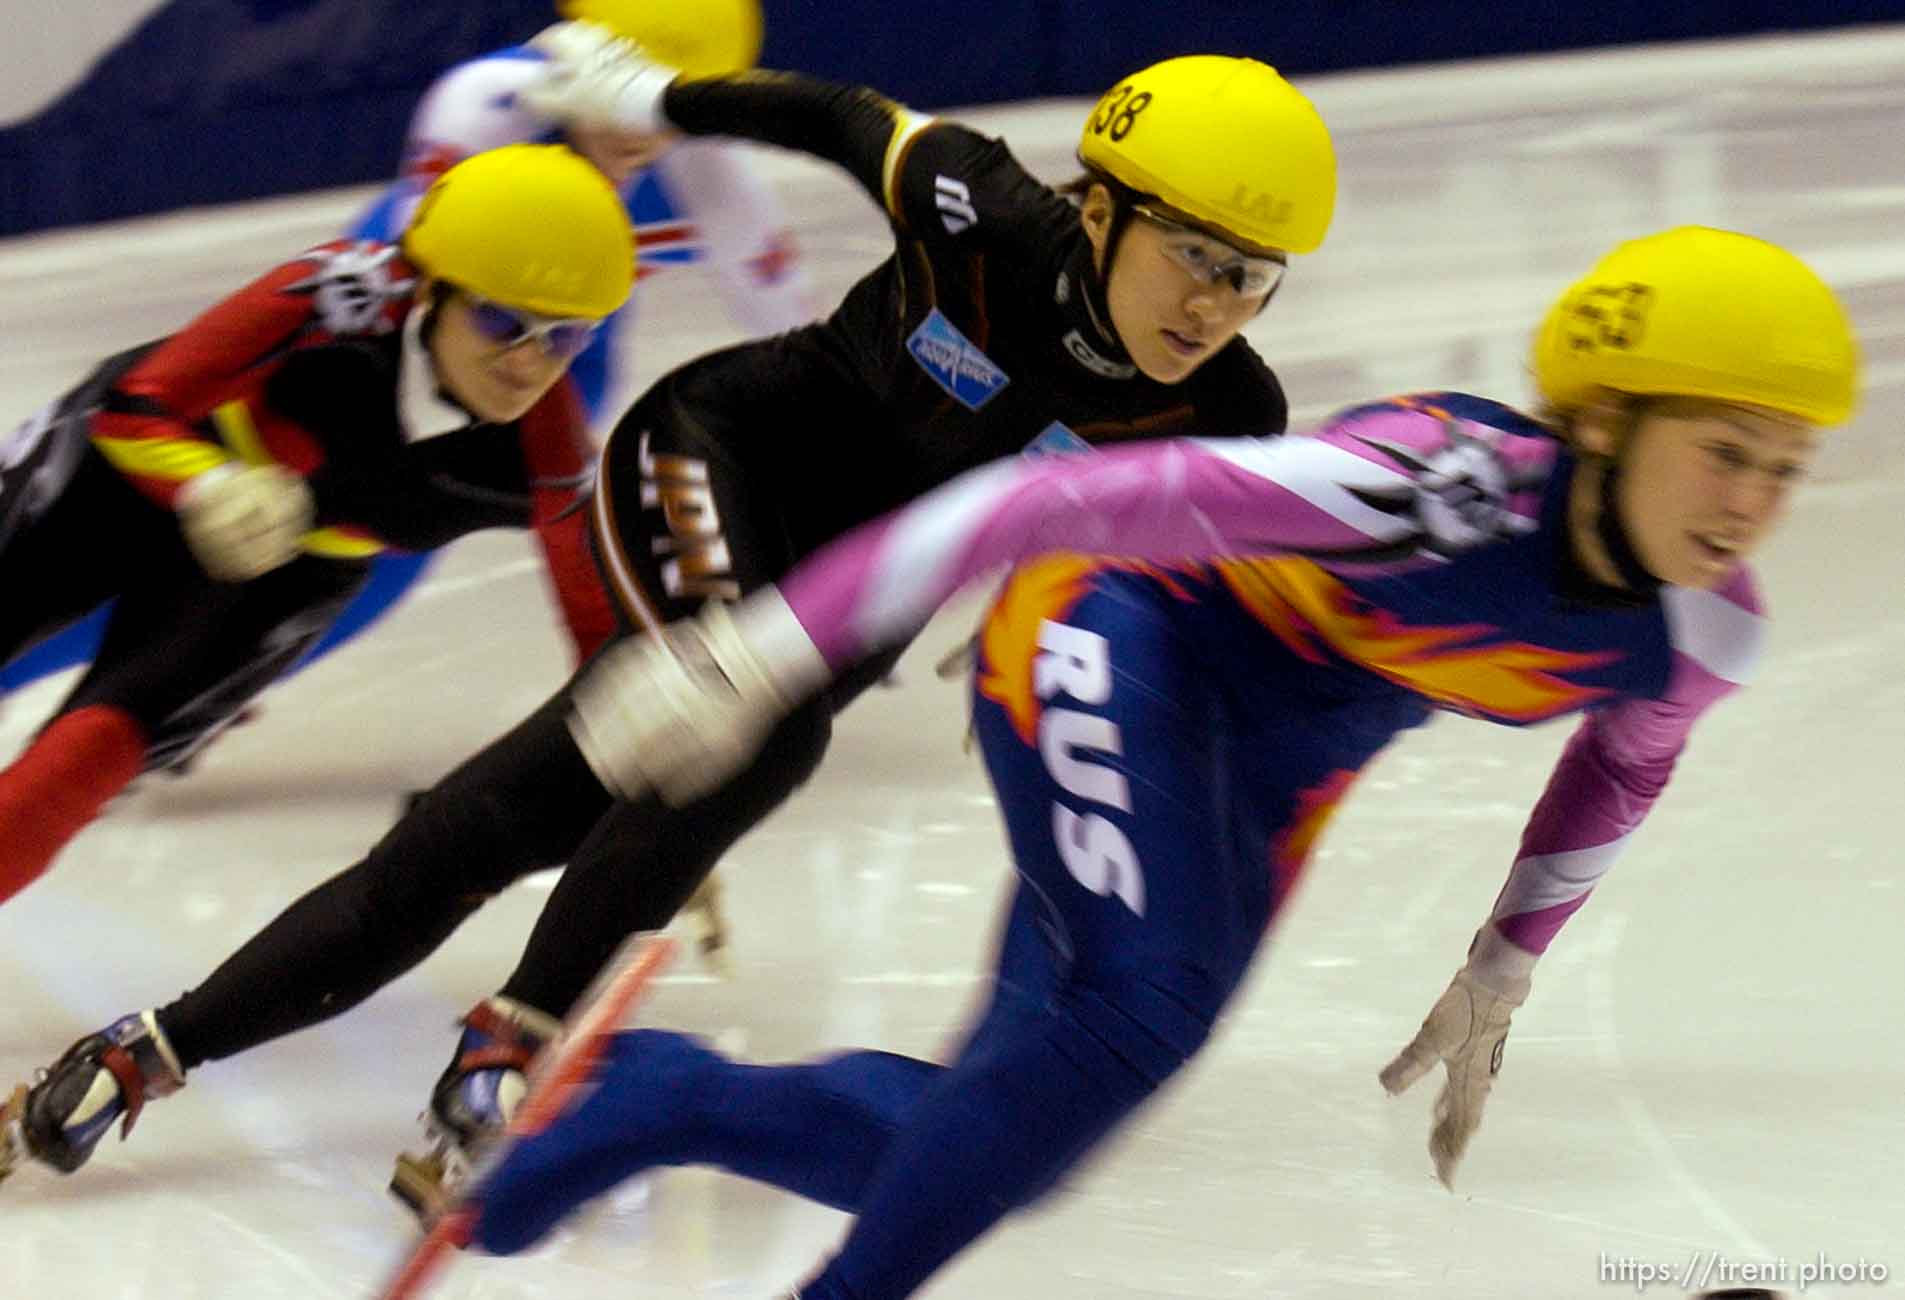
[[1374, 492]]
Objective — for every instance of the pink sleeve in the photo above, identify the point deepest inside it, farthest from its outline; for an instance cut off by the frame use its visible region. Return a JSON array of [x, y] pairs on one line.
[[1619, 760], [1356, 494]]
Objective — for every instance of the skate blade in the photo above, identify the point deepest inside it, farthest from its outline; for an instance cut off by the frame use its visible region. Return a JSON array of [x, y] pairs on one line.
[[13, 1147], [418, 1182], [428, 1182], [711, 922]]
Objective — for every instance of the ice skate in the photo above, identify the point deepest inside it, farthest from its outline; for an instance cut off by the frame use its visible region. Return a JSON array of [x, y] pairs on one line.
[[12, 1137], [711, 922], [59, 1119], [472, 1101]]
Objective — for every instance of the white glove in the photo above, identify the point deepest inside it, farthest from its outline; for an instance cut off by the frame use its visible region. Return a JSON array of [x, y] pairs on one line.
[[682, 712], [595, 78], [1465, 1030], [242, 521]]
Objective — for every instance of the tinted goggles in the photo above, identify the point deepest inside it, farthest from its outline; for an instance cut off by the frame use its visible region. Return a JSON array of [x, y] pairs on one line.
[[1209, 260], [561, 337]]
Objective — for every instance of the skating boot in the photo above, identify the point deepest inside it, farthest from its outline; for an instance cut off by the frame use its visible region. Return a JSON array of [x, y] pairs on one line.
[[472, 1102], [113, 1073], [711, 920]]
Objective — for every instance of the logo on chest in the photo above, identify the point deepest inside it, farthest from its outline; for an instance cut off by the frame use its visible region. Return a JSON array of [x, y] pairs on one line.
[[955, 363]]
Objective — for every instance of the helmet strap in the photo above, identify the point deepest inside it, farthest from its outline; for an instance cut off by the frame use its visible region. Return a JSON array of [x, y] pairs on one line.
[[1608, 524], [1123, 200], [440, 292], [1098, 305], [1114, 234], [1082, 294]]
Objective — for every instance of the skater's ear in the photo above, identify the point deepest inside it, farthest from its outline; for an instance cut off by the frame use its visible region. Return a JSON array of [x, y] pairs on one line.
[[1097, 213], [1601, 425]]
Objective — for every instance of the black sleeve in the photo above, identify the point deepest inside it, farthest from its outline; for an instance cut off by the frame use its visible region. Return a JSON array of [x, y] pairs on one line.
[[934, 180], [417, 495], [953, 184], [849, 125], [343, 394]]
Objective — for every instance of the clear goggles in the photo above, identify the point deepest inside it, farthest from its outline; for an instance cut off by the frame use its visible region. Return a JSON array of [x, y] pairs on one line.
[[562, 337], [1209, 260]]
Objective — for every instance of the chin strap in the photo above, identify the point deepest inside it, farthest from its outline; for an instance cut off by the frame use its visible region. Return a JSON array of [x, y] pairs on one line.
[[1613, 534], [1090, 338], [1608, 525]]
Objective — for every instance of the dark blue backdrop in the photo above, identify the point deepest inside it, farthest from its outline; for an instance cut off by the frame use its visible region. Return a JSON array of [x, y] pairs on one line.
[[213, 100]]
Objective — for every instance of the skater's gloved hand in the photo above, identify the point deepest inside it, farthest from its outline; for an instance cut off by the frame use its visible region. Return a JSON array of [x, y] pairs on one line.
[[595, 78], [681, 713], [1465, 1030], [242, 521]]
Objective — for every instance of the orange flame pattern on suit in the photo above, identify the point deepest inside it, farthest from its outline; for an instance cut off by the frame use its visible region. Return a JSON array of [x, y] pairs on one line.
[[1291, 849], [1044, 588], [1315, 615]]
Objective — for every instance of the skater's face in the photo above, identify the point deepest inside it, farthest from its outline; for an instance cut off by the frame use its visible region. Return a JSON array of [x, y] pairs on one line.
[[618, 155], [496, 361], [1702, 483], [1177, 293]]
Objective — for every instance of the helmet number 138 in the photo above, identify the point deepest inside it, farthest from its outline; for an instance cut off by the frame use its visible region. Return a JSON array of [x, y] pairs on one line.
[[1119, 112]]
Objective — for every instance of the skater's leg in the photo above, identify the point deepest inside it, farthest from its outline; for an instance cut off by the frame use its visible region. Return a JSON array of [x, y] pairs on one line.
[[520, 805]]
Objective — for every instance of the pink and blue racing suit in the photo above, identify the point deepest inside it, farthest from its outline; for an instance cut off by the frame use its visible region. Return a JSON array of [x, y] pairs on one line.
[[1202, 645]]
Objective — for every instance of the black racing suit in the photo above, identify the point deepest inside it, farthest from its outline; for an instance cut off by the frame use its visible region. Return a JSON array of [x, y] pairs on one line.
[[983, 332]]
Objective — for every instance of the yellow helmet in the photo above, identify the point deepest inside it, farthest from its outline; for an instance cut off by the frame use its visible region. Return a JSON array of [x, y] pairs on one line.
[[1698, 312], [533, 226], [1224, 140], [703, 38]]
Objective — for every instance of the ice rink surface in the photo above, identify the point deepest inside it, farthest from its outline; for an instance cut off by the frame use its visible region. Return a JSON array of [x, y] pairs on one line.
[[1711, 1066]]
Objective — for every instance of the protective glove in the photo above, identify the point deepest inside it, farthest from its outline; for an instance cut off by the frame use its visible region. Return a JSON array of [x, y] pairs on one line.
[[242, 521], [1465, 1030], [682, 712], [595, 78]]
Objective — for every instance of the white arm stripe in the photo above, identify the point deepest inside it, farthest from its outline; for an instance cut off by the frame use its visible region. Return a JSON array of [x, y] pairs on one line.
[[1724, 638], [1321, 473], [1547, 879]]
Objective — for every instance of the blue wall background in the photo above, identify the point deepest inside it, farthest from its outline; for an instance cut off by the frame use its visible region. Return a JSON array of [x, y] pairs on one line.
[[214, 100]]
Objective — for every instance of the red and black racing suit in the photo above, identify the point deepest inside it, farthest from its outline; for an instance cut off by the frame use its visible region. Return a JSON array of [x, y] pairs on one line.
[[299, 368]]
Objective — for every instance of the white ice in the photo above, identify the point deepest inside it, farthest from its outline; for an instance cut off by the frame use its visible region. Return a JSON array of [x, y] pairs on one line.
[[1711, 1065]]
